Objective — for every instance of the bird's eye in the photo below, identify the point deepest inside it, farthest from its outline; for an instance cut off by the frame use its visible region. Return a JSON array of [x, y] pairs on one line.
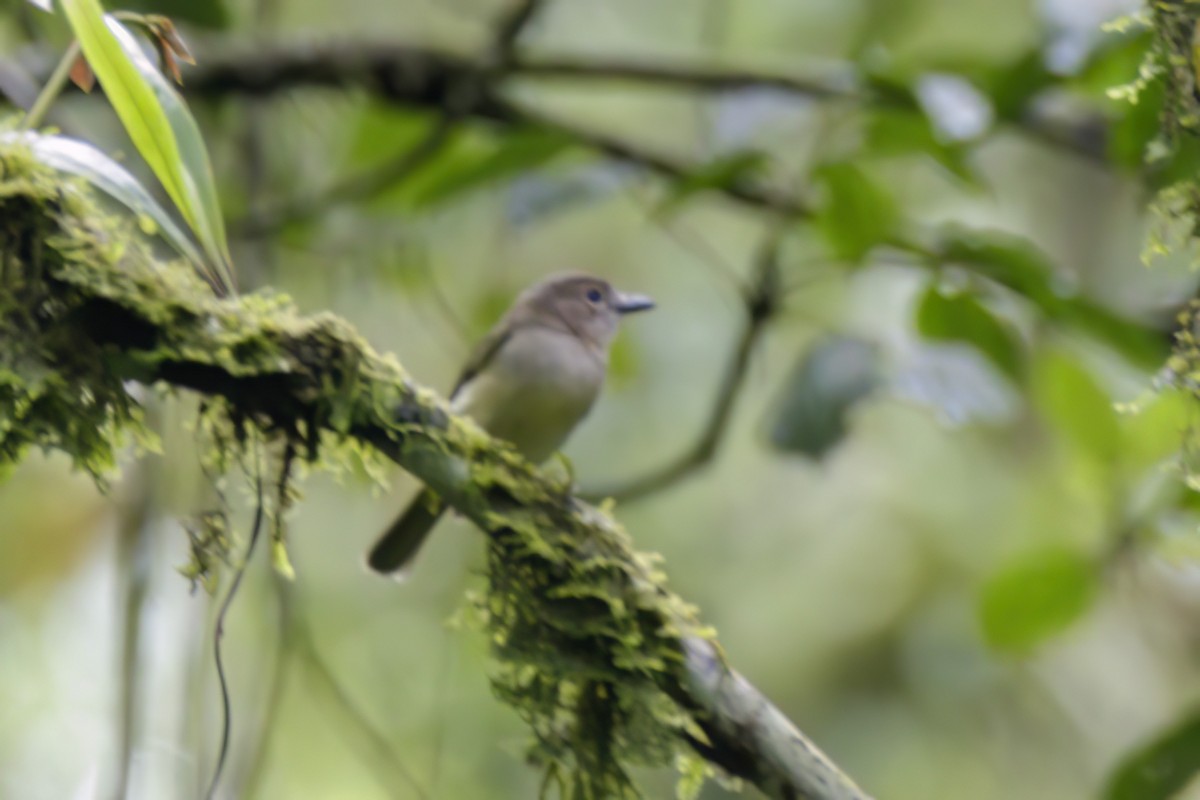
[[594, 296]]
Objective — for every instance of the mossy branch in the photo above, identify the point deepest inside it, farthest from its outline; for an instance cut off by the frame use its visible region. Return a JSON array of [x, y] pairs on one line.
[[606, 665]]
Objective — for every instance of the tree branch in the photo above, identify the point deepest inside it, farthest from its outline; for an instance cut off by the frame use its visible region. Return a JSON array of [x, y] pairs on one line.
[[830, 84], [416, 75], [84, 301], [761, 304], [1083, 135], [509, 30], [749, 192], [424, 77]]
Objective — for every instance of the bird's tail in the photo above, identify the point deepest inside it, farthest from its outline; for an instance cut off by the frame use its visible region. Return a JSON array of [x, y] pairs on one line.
[[393, 553]]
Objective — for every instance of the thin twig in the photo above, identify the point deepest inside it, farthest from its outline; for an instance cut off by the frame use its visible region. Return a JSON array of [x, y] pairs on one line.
[[761, 304], [375, 179], [219, 629], [688, 239], [51, 89], [833, 84], [509, 30], [277, 683], [663, 164]]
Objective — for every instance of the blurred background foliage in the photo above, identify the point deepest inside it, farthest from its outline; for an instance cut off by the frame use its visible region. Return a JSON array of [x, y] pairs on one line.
[[903, 448]]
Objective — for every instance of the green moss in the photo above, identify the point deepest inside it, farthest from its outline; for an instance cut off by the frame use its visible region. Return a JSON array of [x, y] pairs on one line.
[[583, 636], [209, 547], [586, 639], [1170, 62], [74, 406]]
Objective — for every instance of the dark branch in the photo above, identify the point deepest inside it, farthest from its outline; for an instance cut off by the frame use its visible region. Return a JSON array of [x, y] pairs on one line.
[[1084, 135], [662, 164], [415, 75], [373, 180], [832, 85], [432, 78], [401, 74], [761, 303], [510, 28]]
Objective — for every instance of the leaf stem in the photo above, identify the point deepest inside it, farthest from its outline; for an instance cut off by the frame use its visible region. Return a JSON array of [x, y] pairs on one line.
[[52, 89]]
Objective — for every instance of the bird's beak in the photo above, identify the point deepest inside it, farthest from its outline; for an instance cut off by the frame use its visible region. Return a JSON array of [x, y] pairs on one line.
[[629, 303]]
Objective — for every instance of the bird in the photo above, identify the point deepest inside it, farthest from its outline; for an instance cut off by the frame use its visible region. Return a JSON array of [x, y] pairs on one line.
[[529, 381]]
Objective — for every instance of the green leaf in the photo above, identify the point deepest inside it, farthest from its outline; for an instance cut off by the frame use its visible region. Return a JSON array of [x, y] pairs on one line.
[[1008, 260], [203, 211], [832, 376], [468, 160], [158, 122], [512, 154], [381, 130], [85, 161], [1067, 394], [1037, 597], [891, 91], [721, 173], [962, 318], [1018, 265], [893, 133], [1011, 87], [1160, 769], [858, 213], [1142, 344]]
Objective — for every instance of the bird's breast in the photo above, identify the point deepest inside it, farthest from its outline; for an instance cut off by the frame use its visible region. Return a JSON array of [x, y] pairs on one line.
[[534, 390]]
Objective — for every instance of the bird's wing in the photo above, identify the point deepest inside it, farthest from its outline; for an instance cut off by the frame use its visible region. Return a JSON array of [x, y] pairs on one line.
[[482, 355]]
